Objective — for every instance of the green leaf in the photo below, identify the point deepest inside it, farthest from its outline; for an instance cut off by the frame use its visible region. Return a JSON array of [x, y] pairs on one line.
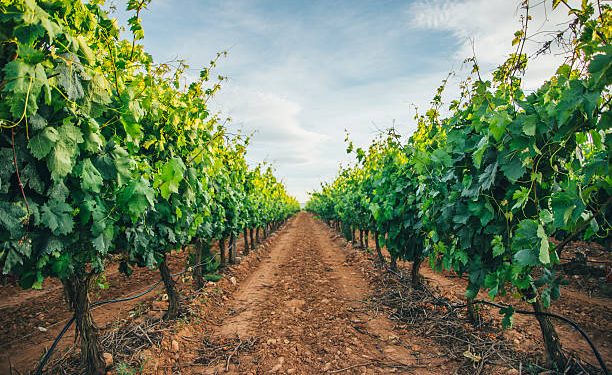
[[102, 243], [497, 245], [530, 244], [526, 257], [544, 254], [123, 165], [41, 144], [521, 197], [12, 259], [31, 178], [62, 266], [132, 129], [511, 166], [482, 146], [58, 191], [68, 71], [170, 177], [567, 206], [137, 196], [471, 292], [601, 66], [91, 179], [214, 277], [487, 214], [21, 82], [70, 134], [498, 123], [487, 178], [491, 282], [508, 313], [529, 124], [57, 216], [11, 215], [60, 162]]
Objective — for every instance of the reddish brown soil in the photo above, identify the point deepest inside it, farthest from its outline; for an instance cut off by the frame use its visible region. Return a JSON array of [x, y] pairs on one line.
[[302, 311], [296, 305], [590, 310], [22, 312]]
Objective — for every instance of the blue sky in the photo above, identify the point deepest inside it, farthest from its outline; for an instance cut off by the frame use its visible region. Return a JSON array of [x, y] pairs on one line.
[[301, 72]]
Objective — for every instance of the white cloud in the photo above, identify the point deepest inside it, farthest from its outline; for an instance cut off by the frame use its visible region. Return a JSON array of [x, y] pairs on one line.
[[486, 27], [299, 74]]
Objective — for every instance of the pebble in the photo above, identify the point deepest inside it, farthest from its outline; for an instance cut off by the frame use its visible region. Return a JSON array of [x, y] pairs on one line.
[[108, 359], [175, 346]]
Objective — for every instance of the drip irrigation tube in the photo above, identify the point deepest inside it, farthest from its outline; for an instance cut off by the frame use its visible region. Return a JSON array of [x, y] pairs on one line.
[[584, 335], [47, 356]]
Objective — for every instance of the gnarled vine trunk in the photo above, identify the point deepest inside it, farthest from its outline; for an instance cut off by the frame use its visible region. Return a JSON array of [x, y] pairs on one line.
[[77, 293], [245, 234], [554, 352], [198, 274], [472, 313], [252, 240], [393, 264], [173, 298], [381, 258], [415, 277], [232, 248], [361, 245], [222, 261]]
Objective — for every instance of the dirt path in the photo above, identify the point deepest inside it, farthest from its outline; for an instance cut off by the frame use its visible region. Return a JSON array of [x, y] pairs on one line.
[[302, 311]]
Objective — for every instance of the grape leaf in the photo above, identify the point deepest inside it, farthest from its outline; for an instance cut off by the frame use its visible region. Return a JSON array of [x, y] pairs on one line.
[[41, 144], [91, 179], [137, 196], [57, 217]]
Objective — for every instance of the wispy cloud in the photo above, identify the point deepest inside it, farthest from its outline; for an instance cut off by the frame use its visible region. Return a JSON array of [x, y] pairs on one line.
[[485, 28], [302, 72]]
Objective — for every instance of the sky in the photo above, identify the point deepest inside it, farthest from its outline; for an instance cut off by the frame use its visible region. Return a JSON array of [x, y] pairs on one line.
[[301, 73]]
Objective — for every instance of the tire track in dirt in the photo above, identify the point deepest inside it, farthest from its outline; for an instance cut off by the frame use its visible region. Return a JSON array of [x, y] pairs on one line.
[[304, 305]]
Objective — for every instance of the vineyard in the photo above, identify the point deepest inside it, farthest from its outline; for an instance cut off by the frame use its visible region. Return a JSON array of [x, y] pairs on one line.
[[137, 238]]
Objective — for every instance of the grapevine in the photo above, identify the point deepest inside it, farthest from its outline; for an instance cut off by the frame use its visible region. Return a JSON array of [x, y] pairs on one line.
[[110, 154], [484, 190]]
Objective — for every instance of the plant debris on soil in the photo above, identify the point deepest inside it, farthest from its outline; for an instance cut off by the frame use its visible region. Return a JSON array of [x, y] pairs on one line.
[[307, 302], [480, 347]]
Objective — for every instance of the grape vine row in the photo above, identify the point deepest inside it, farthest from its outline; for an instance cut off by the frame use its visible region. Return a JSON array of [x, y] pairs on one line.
[[484, 188], [108, 154]]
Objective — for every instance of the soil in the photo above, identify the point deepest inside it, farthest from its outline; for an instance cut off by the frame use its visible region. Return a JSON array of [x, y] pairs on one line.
[[31, 319], [303, 309], [301, 303], [22, 312], [590, 308]]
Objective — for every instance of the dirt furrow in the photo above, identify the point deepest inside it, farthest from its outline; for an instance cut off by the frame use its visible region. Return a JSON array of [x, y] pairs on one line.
[[304, 310]]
